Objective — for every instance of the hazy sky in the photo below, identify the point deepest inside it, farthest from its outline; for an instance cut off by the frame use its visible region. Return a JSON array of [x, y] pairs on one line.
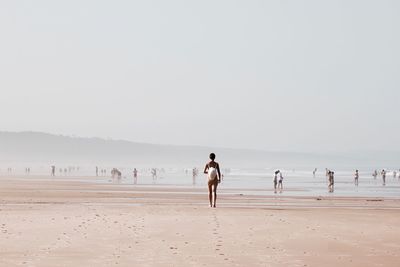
[[291, 75]]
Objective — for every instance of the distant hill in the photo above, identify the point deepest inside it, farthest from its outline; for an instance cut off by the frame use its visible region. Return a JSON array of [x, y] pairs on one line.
[[43, 147]]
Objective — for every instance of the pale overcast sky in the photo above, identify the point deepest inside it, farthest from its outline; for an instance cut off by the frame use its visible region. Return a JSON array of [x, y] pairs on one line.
[[282, 75]]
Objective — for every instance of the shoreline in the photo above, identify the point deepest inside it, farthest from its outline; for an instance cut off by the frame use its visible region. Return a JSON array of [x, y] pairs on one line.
[[77, 191]]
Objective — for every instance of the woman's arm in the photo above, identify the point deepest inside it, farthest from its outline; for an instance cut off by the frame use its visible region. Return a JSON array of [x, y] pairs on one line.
[[206, 169]]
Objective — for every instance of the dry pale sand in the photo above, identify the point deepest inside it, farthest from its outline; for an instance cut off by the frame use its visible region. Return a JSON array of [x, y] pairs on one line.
[[54, 223]]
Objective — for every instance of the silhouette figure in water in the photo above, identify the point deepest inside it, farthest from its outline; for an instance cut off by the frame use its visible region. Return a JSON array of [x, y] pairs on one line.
[[116, 173], [356, 176], [280, 182], [276, 180], [135, 173], [214, 178], [154, 174], [331, 179], [375, 174], [194, 173], [383, 173]]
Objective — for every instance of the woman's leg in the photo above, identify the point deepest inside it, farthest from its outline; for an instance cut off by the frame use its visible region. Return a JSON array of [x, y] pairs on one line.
[[215, 193], [210, 193]]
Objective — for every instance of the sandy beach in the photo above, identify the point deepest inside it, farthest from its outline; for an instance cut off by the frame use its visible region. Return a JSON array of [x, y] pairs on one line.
[[120, 119], [46, 222]]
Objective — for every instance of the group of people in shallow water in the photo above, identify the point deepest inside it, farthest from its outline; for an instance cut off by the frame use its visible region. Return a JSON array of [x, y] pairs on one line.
[[103, 172], [330, 176], [375, 175], [214, 177], [66, 171]]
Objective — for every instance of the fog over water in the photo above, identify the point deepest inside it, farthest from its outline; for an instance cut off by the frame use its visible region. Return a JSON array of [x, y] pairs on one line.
[[296, 76], [42, 150]]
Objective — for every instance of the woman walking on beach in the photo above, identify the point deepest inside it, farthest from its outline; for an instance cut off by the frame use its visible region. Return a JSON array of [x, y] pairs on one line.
[[214, 178]]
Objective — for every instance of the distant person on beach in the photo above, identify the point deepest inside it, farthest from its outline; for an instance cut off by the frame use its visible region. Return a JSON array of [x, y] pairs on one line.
[[280, 182], [276, 180], [53, 170], [116, 173], [394, 174], [194, 175], [314, 172], [154, 173], [331, 181], [383, 173], [135, 172], [214, 177], [97, 171], [356, 176], [375, 174]]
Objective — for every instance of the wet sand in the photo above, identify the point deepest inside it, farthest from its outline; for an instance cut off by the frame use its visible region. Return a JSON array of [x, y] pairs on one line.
[[45, 222]]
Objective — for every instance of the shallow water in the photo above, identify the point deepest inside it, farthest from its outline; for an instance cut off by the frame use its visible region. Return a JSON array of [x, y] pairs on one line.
[[256, 181]]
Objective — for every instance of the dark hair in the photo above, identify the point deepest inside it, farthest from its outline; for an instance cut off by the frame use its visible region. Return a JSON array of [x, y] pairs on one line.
[[212, 156]]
